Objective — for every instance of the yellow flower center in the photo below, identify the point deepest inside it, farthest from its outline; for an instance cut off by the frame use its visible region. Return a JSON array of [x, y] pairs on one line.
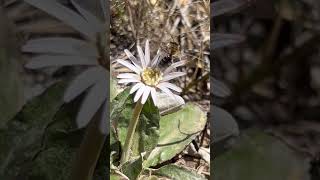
[[151, 77]]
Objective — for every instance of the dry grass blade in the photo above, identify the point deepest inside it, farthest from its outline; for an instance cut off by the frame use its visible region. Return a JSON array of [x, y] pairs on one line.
[[220, 40], [225, 6]]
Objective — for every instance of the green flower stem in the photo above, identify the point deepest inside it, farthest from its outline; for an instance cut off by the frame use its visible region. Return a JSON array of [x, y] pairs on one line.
[[131, 129], [89, 152]]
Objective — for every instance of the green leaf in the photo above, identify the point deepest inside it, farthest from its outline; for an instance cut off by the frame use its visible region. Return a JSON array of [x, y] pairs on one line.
[[41, 142], [177, 130], [21, 139], [260, 156], [225, 125], [226, 130], [175, 172], [115, 176], [113, 88], [147, 132], [133, 168]]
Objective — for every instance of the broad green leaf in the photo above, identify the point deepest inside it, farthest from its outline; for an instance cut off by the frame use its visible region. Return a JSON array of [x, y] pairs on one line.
[[168, 104], [40, 143], [177, 130], [225, 130], [147, 131], [60, 147], [115, 176], [260, 156], [11, 91], [224, 124], [133, 168], [176, 173], [20, 139]]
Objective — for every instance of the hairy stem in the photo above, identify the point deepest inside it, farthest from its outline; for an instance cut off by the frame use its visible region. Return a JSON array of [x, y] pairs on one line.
[[89, 152], [131, 129]]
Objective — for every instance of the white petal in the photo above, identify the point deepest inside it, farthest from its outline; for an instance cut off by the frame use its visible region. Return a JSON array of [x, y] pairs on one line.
[[154, 96], [172, 75], [128, 76], [42, 61], [174, 65], [171, 86], [165, 90], [147, 53], [69, 46], [66, 15], [141, 55], [95, 23], [136, 87], [155, 60], [131, 57], [145, 94], [128, 65], [179, 99], [121, 81], [82, 82], [139, 93], [92, 102]]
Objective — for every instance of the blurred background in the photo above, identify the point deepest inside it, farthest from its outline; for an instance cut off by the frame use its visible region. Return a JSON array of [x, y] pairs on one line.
[[269, 59]]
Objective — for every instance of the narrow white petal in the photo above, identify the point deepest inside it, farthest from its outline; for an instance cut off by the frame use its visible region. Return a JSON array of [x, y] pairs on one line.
[[172, 75], [95, 23], [66, 15], [128, 65], [174, 66], [171, 86], [139, 93], [179, 99], [155, 60], [121, 81], [145, 94], [141, 55], [42, 61], [128, 76], [154, 96], [165, 90], [131, 57], [136, 87], [82, 82], [68, 46], [92, 102], [147, 53]]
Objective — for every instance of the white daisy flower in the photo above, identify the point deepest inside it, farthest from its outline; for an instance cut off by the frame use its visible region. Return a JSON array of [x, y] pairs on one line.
[[67, 51], [147, 77]]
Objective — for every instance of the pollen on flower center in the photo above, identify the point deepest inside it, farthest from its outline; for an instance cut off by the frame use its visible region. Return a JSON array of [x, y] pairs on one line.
[[151, 77]]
